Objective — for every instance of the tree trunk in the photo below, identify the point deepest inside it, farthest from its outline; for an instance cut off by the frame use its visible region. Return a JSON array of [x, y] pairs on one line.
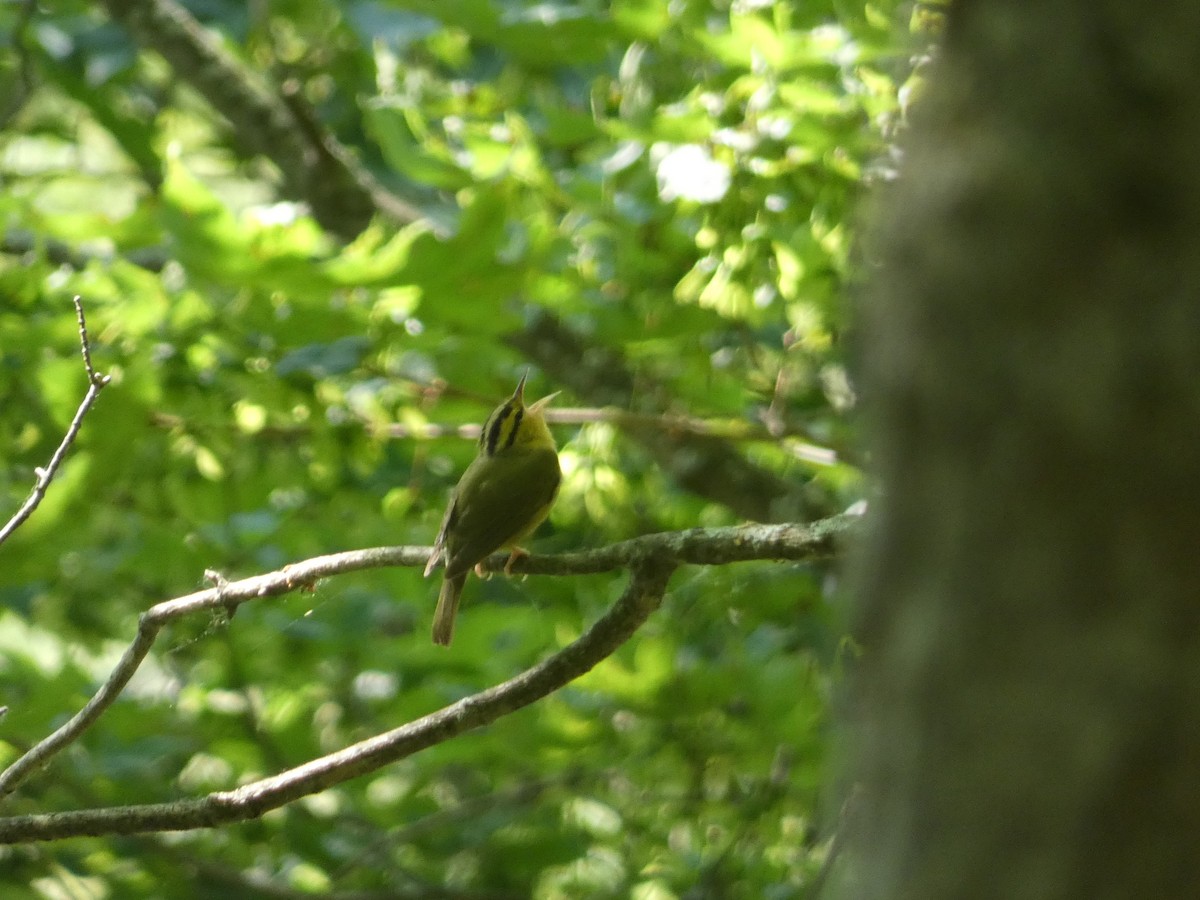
[[1026, 721]]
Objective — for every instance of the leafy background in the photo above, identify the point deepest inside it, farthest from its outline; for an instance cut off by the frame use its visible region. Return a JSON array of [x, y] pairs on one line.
[[653, 205]]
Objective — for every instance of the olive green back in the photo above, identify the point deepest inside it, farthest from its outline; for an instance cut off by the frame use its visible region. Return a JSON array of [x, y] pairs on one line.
[[499, 500]]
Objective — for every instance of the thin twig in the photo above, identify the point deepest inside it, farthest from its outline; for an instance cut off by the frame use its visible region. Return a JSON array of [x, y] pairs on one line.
[[703, 546], [93, 378], [45, 474], [796, 438]]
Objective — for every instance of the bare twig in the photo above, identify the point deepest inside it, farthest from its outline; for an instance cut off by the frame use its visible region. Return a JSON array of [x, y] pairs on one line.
[[45, 474], [651, 558], [732, 430]]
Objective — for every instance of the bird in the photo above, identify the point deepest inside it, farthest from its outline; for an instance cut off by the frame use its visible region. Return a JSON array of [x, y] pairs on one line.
[[501, 499]]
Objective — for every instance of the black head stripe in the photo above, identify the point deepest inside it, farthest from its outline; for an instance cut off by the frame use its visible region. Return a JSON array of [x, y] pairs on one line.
[[487, 427], [512, 432], [491, 435]]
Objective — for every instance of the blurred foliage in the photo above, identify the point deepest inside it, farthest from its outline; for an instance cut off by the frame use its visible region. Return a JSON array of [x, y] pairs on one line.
[[676, 182]]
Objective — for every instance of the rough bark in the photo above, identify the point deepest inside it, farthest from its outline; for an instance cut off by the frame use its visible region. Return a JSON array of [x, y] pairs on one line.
[[1027, 716]]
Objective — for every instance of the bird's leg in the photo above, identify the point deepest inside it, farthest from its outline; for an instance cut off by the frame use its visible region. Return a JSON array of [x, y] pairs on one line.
[[517, 553]]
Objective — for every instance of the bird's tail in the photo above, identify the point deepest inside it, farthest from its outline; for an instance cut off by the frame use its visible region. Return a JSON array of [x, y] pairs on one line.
[[447, 608]]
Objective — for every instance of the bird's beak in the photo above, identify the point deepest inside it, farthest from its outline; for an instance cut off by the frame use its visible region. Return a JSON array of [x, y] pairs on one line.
[[538, 405], [519, 393]]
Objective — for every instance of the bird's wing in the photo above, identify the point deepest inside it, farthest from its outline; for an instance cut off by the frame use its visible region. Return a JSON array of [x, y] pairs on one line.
[[439, 543]]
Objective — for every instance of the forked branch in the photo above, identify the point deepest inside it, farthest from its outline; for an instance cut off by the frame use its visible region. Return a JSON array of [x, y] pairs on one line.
[[650, 559]]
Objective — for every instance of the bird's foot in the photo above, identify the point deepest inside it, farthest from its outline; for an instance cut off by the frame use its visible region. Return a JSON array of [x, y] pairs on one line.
[[517, 553]]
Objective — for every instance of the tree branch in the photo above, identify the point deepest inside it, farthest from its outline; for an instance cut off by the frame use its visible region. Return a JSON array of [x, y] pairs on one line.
[[227, 595], [45, 474], [651, 560], [641, 597], [315, 167], [20, 242]]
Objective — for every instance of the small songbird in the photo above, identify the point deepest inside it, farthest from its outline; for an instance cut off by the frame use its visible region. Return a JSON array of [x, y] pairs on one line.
[[501, 499]]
